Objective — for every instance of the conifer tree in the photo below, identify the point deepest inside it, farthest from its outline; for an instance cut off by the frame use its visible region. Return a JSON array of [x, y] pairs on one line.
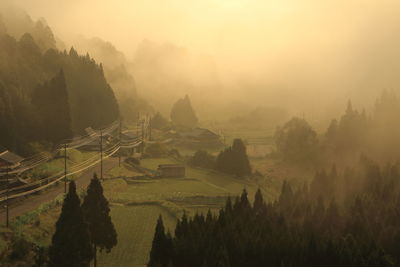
[[97, 213], [258, 201], [52, 106], [160, 251], [71, 241], [182, 113], [234, 160]]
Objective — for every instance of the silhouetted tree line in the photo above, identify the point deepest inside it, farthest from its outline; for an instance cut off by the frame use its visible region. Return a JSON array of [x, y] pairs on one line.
[[38, 102], [354, 133], [232, 160], [349, 219], [202, 159]]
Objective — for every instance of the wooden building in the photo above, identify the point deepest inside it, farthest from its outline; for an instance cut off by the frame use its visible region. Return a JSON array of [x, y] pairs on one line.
[[9, 160], [172, 170], [201, 137]]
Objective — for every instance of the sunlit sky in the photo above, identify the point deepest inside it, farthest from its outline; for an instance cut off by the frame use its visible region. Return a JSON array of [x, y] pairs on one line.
[[224, 28]]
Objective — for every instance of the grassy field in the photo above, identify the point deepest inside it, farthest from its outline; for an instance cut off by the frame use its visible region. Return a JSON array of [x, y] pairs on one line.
[[138, 203], [135, 226]]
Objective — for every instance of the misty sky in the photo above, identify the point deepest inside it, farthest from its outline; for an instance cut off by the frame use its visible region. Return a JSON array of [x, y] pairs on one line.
[[224, 28], [324, 45]]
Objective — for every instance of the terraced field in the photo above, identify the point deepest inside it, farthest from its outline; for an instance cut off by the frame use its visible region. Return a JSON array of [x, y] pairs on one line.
[[135, 226], [138, 203]]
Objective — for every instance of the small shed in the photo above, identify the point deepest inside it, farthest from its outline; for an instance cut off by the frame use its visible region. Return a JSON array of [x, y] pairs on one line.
[[172, 170], [9, 160]]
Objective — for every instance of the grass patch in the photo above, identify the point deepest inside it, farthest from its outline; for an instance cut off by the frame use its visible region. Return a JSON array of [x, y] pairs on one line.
[[135, 228], [122, 171]]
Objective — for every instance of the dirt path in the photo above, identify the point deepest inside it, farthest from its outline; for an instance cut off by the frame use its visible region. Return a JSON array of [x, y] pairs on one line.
[[32, 202]]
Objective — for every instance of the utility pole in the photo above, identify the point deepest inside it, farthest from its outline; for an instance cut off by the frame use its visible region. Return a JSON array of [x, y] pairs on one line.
[[142, 136], [65, 168], [7, 192], [119, 150], [150, 119], [101, 154]]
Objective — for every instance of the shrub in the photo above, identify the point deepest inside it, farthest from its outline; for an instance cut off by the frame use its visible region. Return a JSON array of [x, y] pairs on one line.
[[202, 159]]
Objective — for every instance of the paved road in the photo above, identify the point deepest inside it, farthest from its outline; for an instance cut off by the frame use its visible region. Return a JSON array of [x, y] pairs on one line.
[[34, 201]]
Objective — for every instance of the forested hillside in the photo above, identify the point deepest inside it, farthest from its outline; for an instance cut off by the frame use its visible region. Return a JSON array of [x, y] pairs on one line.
[[118, 74], [43, 90]]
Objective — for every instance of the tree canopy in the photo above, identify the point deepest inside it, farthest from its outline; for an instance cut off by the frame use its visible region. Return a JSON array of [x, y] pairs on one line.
[[348, 218], [97, 214], [70, 101], [296, 141], [182, 113], [70, 245], [234, 160]]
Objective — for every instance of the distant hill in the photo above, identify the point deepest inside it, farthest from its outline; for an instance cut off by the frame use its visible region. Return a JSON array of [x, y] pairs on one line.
[[16, 22]]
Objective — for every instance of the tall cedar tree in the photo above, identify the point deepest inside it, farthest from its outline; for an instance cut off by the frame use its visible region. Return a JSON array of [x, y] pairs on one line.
[[97, 214], [53, 110], [182, 113], [161, 250], [234, 160], [71, 241]]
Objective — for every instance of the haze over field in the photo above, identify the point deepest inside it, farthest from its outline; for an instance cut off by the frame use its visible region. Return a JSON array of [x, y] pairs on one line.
[[273, 123]]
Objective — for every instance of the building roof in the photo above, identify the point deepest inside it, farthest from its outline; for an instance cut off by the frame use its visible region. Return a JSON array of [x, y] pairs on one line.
[[10, 157], [197, 132]]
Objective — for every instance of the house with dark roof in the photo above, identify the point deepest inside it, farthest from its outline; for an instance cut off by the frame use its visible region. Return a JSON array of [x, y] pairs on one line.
[[200, 136], [9, 160]]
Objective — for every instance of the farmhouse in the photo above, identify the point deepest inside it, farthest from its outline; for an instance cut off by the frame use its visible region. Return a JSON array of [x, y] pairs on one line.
[[172, 170], [201, 136], [9, 160]]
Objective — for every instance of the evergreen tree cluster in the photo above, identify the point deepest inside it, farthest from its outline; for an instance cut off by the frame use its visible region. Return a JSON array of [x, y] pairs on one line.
[[296, 141], [348, 219], [182, 113], [355, 133], [49, 95], [81, 229], [159, 122], [202, 159], [233, 160], [347, 135]]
